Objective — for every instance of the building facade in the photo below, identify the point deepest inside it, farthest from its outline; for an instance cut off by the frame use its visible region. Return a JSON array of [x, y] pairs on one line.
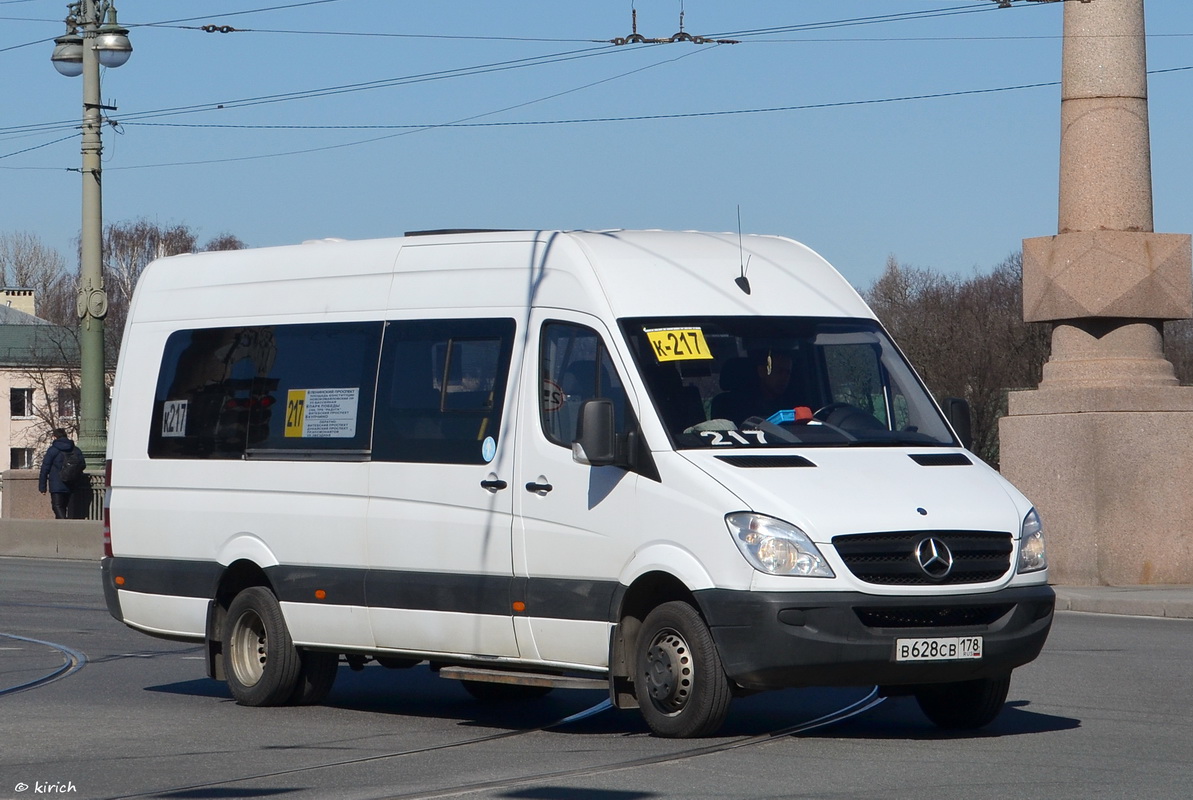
[[39, 376]]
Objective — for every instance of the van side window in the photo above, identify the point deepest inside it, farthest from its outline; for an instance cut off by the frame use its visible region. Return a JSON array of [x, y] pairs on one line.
[[575, 366], [266, 391], [441, 390]]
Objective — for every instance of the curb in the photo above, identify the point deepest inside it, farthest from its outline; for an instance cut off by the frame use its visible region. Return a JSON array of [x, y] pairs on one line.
[[1172, 602]]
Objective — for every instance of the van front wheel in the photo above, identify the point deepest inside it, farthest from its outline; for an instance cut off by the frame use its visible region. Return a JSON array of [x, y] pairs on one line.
[[679, 681], [260, 661], [967, 705]]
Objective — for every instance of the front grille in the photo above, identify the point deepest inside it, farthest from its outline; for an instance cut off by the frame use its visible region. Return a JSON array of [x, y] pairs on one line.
[[889, 559], [927, 617]]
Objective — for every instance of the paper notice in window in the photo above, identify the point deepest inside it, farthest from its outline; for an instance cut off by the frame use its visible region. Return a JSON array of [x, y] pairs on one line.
[[322, 413], [174, 418]]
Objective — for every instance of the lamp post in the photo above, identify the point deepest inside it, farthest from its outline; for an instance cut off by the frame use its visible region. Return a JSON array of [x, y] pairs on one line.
[[93, 39]]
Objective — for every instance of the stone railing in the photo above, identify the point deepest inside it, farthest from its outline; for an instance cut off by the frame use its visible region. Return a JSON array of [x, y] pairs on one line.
[[19, 498]]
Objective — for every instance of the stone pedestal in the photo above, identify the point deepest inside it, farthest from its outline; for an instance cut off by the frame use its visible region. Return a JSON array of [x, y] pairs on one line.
[[1110, 473], [1104, 447]]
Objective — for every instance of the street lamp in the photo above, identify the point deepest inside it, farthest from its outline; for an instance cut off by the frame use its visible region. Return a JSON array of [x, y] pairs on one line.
[[93, 39]]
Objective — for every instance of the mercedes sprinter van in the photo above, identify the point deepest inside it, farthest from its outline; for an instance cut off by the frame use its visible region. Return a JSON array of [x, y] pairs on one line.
[[676, 466]]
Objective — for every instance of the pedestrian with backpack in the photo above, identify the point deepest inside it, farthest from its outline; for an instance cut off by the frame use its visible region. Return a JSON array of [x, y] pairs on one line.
[[62, 473]]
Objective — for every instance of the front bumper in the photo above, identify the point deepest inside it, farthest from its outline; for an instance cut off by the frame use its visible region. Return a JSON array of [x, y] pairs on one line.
[[775, 640]]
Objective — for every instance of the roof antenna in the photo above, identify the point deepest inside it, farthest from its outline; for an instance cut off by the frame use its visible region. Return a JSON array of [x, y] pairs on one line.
[[741, 280]]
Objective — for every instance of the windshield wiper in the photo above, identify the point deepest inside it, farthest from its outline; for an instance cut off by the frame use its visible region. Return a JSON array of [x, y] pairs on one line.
[[812, 432], [899, 438]]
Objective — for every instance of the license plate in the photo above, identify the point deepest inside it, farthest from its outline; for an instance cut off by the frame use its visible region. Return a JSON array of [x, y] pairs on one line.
[[944, 648]]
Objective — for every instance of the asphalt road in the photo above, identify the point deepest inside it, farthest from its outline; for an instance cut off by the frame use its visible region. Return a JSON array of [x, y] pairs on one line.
[[91, 709]]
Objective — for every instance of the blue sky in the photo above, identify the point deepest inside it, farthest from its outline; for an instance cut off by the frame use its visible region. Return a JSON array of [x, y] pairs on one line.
[[806, 128]]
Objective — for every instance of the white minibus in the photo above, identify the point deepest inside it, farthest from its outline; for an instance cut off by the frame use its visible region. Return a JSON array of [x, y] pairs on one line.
[[673, 466]]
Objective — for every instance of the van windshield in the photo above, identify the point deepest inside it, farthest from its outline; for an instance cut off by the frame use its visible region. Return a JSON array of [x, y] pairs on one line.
[[746, 382]]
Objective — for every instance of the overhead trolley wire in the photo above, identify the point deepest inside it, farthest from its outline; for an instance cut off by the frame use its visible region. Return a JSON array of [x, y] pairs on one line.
[[463, 71], [826, 24], [222, 14], [382, 34], [903, 16], [856, 21], [138, 118], [479, 69], [39, 146], [631, 118], [402, 131], [164, 23], [468, 122]]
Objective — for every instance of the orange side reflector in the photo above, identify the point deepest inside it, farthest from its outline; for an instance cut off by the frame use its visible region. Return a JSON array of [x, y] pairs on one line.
[[320, 594], [119, 580], [519, 606]]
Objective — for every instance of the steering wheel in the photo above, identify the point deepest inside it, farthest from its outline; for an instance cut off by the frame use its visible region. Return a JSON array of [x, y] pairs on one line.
[[848, 416], [824, 412]]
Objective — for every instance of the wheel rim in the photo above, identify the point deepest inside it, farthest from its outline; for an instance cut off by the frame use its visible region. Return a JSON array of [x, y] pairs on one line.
[[249, 647], [670, 671]]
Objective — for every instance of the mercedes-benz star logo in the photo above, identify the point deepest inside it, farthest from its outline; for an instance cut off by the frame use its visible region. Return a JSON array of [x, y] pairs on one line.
[[934, 558]]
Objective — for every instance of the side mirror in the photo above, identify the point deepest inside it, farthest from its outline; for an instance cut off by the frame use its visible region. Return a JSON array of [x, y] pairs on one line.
[[595, 443], [956, 411]]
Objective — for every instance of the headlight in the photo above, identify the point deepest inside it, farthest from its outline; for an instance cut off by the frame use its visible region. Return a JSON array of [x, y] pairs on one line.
[[776, 547], [1032, 557]]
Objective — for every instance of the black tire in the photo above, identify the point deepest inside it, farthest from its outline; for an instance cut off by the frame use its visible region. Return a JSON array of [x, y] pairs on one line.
[[316, 676], [487, 692], [678, 679], [964, 706], [261, 664]]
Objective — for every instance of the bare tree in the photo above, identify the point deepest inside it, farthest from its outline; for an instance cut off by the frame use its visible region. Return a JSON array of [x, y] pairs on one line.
[[129, 247], [51, 366], [225, 241], [966, 337], [27, 263], [1178, 348]]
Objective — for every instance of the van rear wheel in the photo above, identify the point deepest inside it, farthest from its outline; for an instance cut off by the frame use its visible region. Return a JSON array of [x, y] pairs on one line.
[[967, 705], [260, 661], [679, 681]]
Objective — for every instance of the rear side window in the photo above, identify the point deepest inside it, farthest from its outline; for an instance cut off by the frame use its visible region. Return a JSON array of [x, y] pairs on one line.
[[441, 390], [266, 391]]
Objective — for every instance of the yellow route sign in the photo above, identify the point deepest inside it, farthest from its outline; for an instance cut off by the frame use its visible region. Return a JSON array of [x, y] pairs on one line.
[[678, 344], [296, 401]]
